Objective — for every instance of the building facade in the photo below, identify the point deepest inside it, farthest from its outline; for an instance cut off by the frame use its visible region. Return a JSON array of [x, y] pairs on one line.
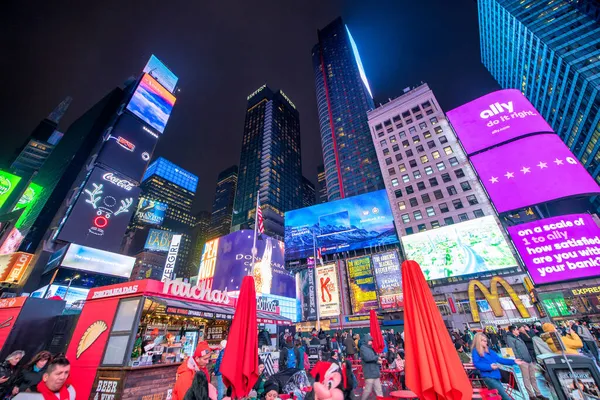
[[428, 178], [343, 99], [169, 183], [270, 161], [200, 233], [222, 208], [309, 195], [549, 51], [321, 185]]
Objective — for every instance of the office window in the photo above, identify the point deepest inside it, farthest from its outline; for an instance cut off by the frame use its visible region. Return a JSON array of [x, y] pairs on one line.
[[429, 112], [448, 150], [405, 143], [428, 170], [395, 148], [409, 231], [417, 215], [402, 134], [409, 153], [444, 208], [409, 121], [386, 152], [417, 174], [427, 135], [433, 182], [433, 120], [421, 227], [431, 144], [424, 159], [412, 163], [457, 203], [451, 190], [446, 178], [412, 129], [409, 189], [388, 161], [435, 224], [420, 149], [390, 130], [387, 122], [405, 178], [478, 213], [438, 194], [435, 154], [393, 139], [472, 199], [401, 205], [398, 193], [380, 134], [406, 114], [443, 139], [383, 143], [402, 167], [419, 117], [415, 109], [395, 182], [396, 118], [448, 221], [423, 125], [405, 218], [459, 173], [416, 139], [440, 166], [438, 130], [463, 217], [430, 211], [466, 186], [425, 198], [413, 202], [426, 104], [378, 126], [421, 185], [392, 171], [398, 157]]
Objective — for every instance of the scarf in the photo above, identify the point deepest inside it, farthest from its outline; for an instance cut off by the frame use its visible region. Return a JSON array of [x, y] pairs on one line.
[[50, 395]]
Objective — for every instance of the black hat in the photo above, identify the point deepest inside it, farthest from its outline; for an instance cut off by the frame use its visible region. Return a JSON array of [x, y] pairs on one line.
[[457, 345], [271, 385]]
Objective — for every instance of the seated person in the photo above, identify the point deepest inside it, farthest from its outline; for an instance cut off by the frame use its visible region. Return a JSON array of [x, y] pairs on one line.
[[464, 357]]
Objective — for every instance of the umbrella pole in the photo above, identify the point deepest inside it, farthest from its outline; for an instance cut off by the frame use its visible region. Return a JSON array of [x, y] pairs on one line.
[[315, 278]]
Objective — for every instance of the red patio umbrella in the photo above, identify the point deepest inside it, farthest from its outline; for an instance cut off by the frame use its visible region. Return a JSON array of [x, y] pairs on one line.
[[240, 361], [433, 369], [378, 344]]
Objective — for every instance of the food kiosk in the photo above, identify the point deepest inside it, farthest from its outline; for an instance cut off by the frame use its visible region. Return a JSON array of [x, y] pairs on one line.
[[131, 337]]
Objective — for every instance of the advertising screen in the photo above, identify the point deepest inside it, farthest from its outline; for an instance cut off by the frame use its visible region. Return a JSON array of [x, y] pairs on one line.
[[152, 103], [467, 248], [494, 119], [150, 211], [388, 275], [530, 171], [101, 213], [305, 288], [83, 258], [559, 248], [128, 147], [28, 199], [328, 291], [13, 266], [8, 183], [163, 75], [227, 260], [363, 292], [352, 223], [158, 240]]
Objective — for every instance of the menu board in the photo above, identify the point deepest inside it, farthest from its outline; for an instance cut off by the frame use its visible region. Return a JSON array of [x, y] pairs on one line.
[[363, 291], [386, 267]]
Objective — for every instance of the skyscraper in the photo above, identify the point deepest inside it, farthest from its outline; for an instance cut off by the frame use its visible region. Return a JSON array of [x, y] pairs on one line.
[[321, 185], [343, 99], [222, 208], [428, 178], [169, 183], [270, 161], [199, 233], [549, 51], [309, 196]]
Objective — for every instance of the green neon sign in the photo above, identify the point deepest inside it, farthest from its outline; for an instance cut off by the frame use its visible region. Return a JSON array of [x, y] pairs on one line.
[[8, 183]]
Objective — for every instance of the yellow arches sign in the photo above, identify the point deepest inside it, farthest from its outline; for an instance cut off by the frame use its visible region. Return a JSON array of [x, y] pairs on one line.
[[493, 299]]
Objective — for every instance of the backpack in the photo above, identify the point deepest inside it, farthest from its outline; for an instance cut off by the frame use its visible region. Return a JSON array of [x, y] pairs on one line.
[[291, 361]]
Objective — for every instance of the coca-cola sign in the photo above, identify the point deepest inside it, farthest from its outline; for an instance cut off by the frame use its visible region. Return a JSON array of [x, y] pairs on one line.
[[122, 183], [201, 291]]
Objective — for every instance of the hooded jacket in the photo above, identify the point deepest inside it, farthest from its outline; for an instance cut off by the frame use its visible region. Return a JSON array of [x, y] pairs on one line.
[[571, 341], [519, 347], [185, 377], [369, 360]]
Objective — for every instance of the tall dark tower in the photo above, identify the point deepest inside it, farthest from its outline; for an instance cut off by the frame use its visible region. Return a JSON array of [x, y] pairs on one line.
[[270, 161], [222, 209], [343, 99]]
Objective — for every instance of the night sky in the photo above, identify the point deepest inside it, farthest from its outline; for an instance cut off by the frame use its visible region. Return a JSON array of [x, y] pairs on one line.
[[222, 51]]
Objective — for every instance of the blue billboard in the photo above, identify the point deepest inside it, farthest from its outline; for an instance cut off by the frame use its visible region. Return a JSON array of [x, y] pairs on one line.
[[152, 103], [151, 211], [159, 71], [173, 173], [352, 223], [158, 240]]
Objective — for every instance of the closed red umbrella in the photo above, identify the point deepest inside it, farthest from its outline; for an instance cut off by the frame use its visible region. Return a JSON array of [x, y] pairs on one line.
[[239, 366], [433, 369], [378, 344]]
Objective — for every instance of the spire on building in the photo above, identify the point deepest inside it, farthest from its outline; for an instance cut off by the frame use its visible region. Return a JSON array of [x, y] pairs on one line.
[[56, 115]]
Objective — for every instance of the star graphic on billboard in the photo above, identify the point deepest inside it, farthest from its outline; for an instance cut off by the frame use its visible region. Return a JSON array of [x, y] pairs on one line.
[[542, 165], [558, 162], [509, 175], [526, 170], [494, 179]]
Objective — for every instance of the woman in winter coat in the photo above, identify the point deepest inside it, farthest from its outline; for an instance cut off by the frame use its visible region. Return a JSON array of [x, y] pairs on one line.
[[33, 372], [199, 388], [571, 341], [8, 372]]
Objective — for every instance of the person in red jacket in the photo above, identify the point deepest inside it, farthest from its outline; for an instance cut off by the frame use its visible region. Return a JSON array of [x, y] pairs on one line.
[[189, 368]]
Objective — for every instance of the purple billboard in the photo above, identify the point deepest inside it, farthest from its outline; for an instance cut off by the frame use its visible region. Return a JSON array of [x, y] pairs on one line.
[[494, 119], [226, 260], [530, 171], [559, 248]]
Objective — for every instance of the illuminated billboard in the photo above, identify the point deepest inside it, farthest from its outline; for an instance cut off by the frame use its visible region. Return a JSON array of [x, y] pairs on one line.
[[363, 292], [161, 73], [494, 119], [559, 248], [150, 211], [173, 173], [228, 259], [306, 294], [328, 291], [28, 199], [13, 266], [101, 213], [467, 248], [531, 171], [8, 183], [128, 147], [152, 103], [158, 240], [388, 275], [86, 259], [352, 223]]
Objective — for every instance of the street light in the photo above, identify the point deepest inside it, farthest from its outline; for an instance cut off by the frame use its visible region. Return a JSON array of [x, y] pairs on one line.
[[69, 285]]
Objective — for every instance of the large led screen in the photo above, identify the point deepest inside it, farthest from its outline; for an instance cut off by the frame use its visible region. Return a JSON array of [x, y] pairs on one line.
[[386, 267], [306, 294], [228, 259], [158, 240], [83, 258], [152, 103], [128, 147], [466, 248], [494, 119], [28, 199], [150, 211], [559, 248], [530, 171], [363, 292], [161, 73], [328, 291], [8, 183], [102, 212], [352, 223]]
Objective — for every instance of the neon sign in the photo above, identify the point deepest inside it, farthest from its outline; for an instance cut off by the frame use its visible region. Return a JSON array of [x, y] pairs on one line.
[[257, 91], [126, 144], [122, 183]]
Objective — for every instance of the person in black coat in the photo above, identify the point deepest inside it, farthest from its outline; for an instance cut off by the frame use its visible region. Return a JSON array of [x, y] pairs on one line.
[[8, 373], [28, 378], [199, 388]]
